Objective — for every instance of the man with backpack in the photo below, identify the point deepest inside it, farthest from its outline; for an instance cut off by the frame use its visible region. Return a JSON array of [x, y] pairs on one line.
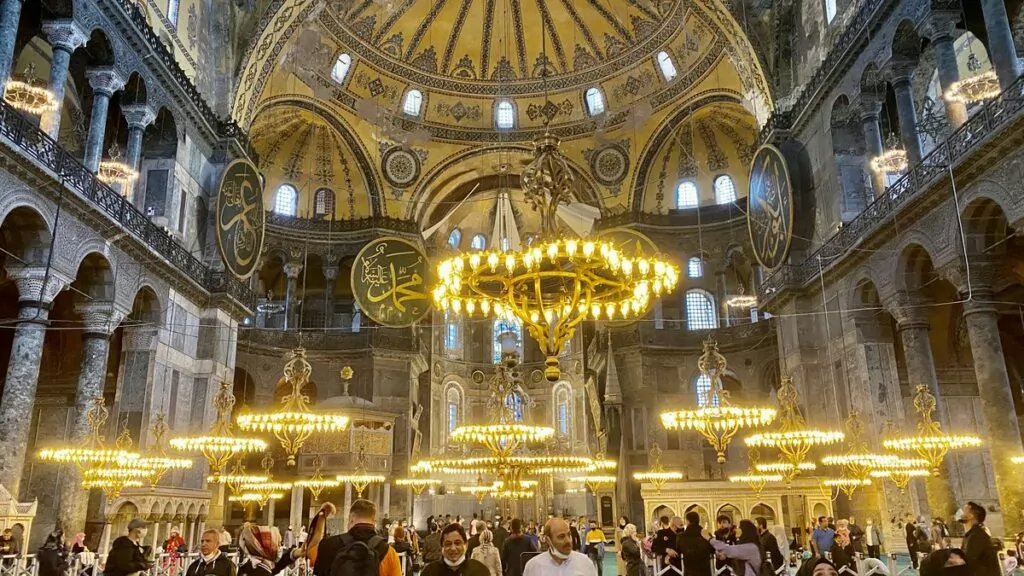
[[453, 556], [360, 551]]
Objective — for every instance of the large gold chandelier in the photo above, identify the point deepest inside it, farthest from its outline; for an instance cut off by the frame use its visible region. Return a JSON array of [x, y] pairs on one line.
[[901, 471], [294, 422], [930, 442], [317, 483], [94, 452], [657, 476], [221, 444], [754, 478], [558, 281], [360, 479], [858, 461], [160, 464], [29, 94], [794, 439], [717, 420]]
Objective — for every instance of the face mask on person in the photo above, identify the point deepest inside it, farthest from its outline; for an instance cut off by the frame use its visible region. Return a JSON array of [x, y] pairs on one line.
[[455, 563], [557, 553], [622, 524], [959, 516]]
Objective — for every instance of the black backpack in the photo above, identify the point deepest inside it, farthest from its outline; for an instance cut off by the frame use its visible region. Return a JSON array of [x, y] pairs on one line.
[[359, 558]]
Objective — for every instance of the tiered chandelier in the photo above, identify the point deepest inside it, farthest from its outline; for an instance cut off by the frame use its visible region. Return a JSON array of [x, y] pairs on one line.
[[597, 481], [901, 471], [112, 479], [843, 483], [657, 476], [977, 88], [160, 464], [317, 483], [94, 452], [893, 160], [558, 281], [264, 491], [360, 479], [237, 477], [294, 422], [794, 439], [930, 442], [221, 444], [858, 461], [754, 478], [115, 170], [28, 94], [717, 420]]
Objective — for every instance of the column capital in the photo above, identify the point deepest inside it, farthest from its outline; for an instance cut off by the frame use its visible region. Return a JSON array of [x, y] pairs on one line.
[[870, 106], [940, 25], [292, 270], [105, 80], [140, 338], [138, 115], [37, 283], [910, 309], [100, 318], [65, 34], [985, 276], [901, 72], [331, 272]]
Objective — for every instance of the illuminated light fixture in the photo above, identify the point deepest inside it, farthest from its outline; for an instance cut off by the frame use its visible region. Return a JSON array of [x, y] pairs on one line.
[[741, 301], [558, 281], [976, 88], [930, 443], [595, 482], [502, 439], [657, 476], [756, 480], [258, 498], [718, 420], [360, 479], [111, 487], [486, 464], [160, 464], [794, 439], [902, 471], [847, 485], [893, 160], [786, 468], [294, 422], [317, 483], [93, 452], [858, 461], [266, 488], [28, 94], [115, 170], [220, 445], [418, 485], [112, 479], [1017, 459]]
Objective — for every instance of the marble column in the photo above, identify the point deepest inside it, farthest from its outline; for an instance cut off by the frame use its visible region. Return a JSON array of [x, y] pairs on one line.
[[348, 504], [100, 319], [154, 528], [291, 272], [1002, 437], [37, 287], [902, 85], [270, 513], [138, 117], [10, 17], [720, 296], [943, 32], [870, 108], [219, 506], [1000, 42], [138, 360], [65, 37], [104, 81], [386, 499], [330, 274], [295, 513], [105, 539]]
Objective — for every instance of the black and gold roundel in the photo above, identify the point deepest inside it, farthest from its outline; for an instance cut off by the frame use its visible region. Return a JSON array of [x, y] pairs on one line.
[[770, 207], [240, 218], [389, 281]]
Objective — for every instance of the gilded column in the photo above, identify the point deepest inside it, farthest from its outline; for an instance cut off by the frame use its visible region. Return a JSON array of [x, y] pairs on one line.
[[291, 272], [104, 81], [65, 37], [37, 287]]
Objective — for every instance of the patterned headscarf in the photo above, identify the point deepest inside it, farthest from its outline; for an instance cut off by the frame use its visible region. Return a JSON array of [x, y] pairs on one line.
[[260, 543]]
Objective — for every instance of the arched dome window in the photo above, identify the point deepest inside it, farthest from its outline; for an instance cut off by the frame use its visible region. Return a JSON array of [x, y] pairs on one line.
[[725, 189], [453, 406], [695, 267], [668, 68], [594, 100], [341, 66], [479, 242], [413, 103], [286, 200], [561, 394], [504, 115], [452, 336], [830, 11], [514, 404], [455, 238], [700, 310], [702, 389], [323, 203], [686, 195], [172, 12]]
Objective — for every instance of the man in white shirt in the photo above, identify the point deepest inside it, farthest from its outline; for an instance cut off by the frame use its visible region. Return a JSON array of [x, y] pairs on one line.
[[560, 559]]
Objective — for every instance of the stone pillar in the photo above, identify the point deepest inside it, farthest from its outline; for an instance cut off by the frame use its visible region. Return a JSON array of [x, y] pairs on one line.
[[105, 539], [218, 502], [295, 514], [330, 274], [155, 529], [720, 295], [10, 17], [870, 108], [348, 504], [100, 321], [386, 499], [138, 359], [1000, 42], [902, 80], [943, 32], [270, 513], [1002, 437], [65, 37], [37, 287], [291, 271], [137, 116], [104, 81]]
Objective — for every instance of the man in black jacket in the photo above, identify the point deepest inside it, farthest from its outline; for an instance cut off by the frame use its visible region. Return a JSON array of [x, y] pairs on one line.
[[500, 534], [474, 540], [982, 557], [455, 561], [211, 561], [694, 548], [664, 544], [362, 527], [515, 546], [126, 554], [770, 544]]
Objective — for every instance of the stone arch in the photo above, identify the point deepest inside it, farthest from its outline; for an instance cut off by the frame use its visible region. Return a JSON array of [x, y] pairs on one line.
[[135, 90], [985, 227], [192, 507], [663, 511], [95, 279], [168, 511], [849, 151], [763, 510], [100, 49], [906, 42], [155, 510], [732, 511], [864, 294], [179, 512], [244, 387], [26, 235], [914, 267], [871, 82], [146, 309]]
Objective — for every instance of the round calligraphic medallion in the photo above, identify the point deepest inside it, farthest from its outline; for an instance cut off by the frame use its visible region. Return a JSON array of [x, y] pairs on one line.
[[609, 165], [631, 243], [389, 281], [770, 207], [401, 166], [240, 218]]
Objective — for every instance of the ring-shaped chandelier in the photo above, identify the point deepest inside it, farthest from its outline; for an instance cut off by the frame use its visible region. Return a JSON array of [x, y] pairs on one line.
[[858, 461], [221, 444], [901, 471], [930, 443]]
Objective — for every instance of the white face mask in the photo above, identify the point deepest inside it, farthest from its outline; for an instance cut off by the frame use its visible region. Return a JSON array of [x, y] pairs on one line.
[[455, 563], [558, 553]]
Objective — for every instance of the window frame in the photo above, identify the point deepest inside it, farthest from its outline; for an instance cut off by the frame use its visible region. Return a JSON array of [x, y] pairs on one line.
[[497, 112], [600, 102], [830, 15], [482, 244], [419, 104], [456, 233], [679, 195], [661, 67], [702, 390], [732, 184], [695, 321], [328, 200], [173, 7], [695, 261], [340, 78], [294, 211], [516, 328], [453, 398]]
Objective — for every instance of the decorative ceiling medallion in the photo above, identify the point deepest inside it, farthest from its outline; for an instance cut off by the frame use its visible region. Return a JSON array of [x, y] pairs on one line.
[[401, 166], [770, 207], [240, 218], [389, 282], [609, 165], [478, 377]]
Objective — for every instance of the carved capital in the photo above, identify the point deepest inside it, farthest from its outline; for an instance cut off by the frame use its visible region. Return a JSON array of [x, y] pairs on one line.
[[105, 80], [100, 317], [64, 34], [330, 273], [138, 115], [940, 25], [37, 283], [870, 106], [140, 338], [985, 276], [292, 270], [901, 73], [910, 309]]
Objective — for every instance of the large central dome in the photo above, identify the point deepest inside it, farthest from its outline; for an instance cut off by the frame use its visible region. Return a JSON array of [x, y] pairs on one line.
[[503, 46]]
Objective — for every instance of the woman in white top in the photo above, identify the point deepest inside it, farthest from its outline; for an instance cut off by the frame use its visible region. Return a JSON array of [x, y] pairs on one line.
[[487, 553]]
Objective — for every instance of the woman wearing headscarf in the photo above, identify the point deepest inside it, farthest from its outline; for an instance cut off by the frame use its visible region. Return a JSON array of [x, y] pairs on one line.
[[620, 528], [747, 548], [817, 566], [842, 547], [488, 553], [53, 557], [260, 545], [629, 552]]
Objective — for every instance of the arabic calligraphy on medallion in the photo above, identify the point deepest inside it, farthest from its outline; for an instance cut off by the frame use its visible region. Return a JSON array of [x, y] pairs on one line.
[[770, 207], [389, 281], [240, 218]]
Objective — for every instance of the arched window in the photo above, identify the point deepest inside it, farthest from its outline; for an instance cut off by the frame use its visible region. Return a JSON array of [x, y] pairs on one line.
[[594, 100], [341, 67], [695, 267], [285, 200], [561, 394], [504, 115], [700, 310], [686, 195], [455, 238], [514, 404], [506, 243], [452, 336], [479, 242], [323, 202], [502, 326], [668, 68], [172, 12], [702, 388], [830, 11], [725, 189], [413, 102], [453, 402]]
